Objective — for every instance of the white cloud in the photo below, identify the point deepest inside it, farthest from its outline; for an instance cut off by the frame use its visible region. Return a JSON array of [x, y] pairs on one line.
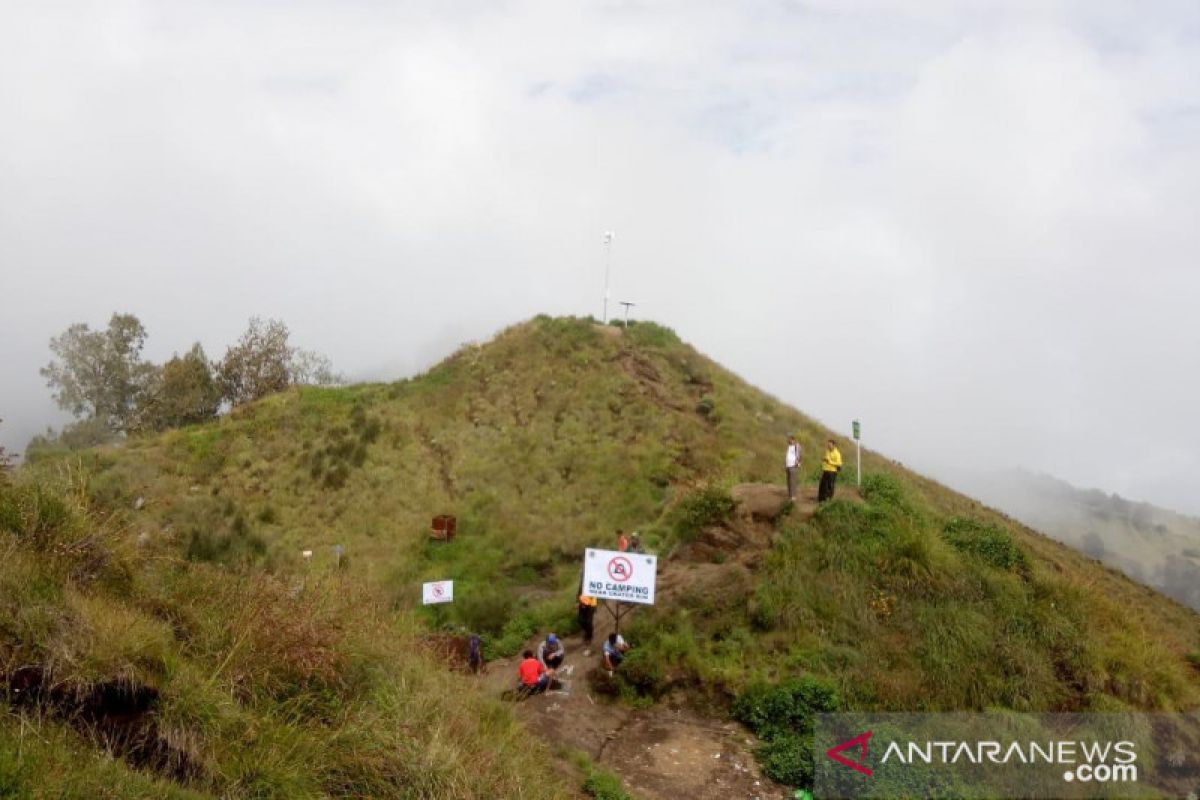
[[970, 224]]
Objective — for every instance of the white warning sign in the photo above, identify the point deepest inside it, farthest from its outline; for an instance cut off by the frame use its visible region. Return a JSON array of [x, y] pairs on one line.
[[437, 592], [614, 575]]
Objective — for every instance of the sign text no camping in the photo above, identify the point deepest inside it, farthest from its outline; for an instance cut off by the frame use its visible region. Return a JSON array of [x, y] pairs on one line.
[[613, 575]]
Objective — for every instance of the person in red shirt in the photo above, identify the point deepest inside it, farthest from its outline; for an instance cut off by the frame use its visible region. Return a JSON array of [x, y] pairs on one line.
[[622, 541], [534, 676]]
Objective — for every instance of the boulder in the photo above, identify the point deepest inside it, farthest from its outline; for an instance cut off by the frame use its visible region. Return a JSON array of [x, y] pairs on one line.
[[760, 501]]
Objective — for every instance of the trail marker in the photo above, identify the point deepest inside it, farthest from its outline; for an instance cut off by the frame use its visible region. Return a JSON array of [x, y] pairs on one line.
[[858, 450], [437, 592]]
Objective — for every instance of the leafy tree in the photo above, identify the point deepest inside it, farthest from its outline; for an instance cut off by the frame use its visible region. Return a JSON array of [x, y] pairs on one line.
[[264, 362], [184, 391], [100, 375], [258, 365], [310, 368]]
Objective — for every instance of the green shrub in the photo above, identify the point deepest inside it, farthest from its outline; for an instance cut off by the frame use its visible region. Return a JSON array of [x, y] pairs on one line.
[[705, 406], [512, 637], [987, 542], [700, 510], [783, 716], [885, 489], [772, 710], [604, 785], [484, 612], [240, 546], [643, 673], [33, 513], [788, 759]]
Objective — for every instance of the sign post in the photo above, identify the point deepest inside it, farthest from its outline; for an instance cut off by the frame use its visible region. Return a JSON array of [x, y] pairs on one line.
[[621, 576], [858, 450]]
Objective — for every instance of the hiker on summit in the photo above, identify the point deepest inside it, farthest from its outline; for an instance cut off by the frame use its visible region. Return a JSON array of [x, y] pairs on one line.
[[587, 615], [791, 462], [551, 652], [533, 674], [831, 465], [622, 540]]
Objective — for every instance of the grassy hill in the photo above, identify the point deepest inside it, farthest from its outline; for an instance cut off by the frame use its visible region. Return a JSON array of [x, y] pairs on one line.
[[542, 442]]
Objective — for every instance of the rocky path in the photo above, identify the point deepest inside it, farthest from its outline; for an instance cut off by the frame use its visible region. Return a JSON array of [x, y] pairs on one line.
[[663, 753]]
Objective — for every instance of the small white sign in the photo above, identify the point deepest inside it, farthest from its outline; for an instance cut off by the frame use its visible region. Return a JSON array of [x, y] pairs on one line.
[[613, 575], [437, 592]]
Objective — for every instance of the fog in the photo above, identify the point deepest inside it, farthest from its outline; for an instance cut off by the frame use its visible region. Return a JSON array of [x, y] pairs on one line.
[[971, 225]]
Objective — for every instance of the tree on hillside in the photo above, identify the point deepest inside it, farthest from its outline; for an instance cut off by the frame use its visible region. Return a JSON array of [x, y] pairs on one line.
[[183, 391], [100, 375], [258, 365], [264, 362], [310, 368]]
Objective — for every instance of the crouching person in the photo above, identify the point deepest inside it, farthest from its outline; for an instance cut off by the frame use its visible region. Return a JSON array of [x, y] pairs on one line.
[[615, 648], [551, 653], [535, 678]]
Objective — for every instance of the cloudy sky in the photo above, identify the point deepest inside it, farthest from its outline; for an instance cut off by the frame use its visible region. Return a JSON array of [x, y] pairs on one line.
[[974, 225]]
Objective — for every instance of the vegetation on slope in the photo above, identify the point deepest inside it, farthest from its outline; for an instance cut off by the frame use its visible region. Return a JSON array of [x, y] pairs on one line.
[[543, 442], [211, 682]]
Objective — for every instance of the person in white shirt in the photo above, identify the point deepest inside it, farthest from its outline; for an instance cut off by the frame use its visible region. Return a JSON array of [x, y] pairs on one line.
[[791, 462]]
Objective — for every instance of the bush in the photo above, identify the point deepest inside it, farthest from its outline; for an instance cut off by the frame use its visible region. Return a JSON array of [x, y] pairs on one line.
[[884, 489], [783, 716], [987, 542], [787, 759], [771, 711], [643, 673], [240, 546], [701, 509], [604, 785], [705, 406], [512, 638]]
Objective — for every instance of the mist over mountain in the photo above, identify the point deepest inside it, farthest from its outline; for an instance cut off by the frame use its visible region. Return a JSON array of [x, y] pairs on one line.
[[1154, 545]]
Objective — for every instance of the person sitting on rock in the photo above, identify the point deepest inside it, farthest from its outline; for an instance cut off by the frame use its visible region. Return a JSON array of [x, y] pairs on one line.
[[615, 648], [534, 676], [551, 652]]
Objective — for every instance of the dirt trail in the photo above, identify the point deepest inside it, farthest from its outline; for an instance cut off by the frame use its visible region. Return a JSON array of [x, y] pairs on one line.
[[664, 753]]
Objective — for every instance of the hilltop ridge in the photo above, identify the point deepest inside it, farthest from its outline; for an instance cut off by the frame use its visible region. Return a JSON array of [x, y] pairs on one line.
[[558, 431]]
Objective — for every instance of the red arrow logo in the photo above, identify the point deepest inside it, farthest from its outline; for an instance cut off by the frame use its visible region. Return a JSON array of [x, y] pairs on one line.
[[860, 742]]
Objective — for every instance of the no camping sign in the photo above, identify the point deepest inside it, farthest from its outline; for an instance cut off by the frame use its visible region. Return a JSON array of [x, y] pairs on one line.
[[613, 575], [437, 592]]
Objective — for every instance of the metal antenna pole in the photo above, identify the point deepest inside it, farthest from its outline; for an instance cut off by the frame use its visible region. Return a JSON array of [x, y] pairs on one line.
[[608, 237], [627, 304]]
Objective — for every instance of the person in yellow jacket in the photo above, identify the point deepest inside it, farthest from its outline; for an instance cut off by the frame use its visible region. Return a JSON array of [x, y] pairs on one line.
[[831, 465]]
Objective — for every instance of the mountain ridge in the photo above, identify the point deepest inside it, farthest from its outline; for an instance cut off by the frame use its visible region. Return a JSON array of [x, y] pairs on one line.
[[545, 440]]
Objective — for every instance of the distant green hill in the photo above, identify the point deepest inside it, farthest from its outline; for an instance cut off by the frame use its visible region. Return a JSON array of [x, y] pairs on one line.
[[543, 441]]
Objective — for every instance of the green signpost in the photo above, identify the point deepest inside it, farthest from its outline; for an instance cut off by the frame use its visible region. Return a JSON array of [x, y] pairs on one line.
[[857, 426]]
